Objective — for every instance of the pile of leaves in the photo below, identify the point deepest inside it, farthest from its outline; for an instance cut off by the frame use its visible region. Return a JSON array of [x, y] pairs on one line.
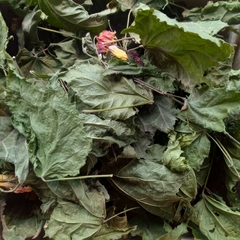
[[119, 120]]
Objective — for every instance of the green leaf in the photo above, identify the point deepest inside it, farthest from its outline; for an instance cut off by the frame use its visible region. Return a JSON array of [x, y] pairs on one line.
[[29, 28], [172, 158], [70, 221], [195, 144], [113, 97], [110, 131], [87, 196], [163, 82], [58, 143], [179, 47], [148, 181], [159, 116], [73, 17], [219, 75], [209, 106], [27, 62], [196, 232], [227, 12], [14, 148], [107, 233], [149, 227], [3, 40], [232, 170], [175, 233], [66, 52], [216, 220], [19, 220]]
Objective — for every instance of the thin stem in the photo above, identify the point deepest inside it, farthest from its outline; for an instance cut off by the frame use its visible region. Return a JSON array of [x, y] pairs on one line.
[[130, 209], [225, 153], [176, 5], [59, 32], [232, 138], [11, 190], [125, 36], [132, 49], [160, 92], [109, 25], [39, 228], [16, 65], [118, 40], [80, 177], [208, 175]]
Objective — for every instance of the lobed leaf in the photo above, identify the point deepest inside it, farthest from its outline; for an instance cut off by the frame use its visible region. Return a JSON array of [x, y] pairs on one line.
[[112, 97], [227, 12], [216, 220], [159, 116], [148, 181], [186, 50], [48, 120], [209, 106]]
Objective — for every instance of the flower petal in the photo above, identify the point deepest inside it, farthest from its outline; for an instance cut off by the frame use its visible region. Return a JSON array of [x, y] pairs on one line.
[[117, 52]]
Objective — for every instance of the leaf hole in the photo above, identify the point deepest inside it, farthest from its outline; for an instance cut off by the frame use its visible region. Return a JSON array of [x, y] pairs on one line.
[[217, 214], [212, 230]]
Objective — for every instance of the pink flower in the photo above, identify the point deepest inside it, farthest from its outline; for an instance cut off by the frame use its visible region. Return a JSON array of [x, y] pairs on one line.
[[103, 40], [106, 44]]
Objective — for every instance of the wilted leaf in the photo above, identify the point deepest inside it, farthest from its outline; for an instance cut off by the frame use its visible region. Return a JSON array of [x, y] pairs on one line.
[[72, 16], [180, 47], [48, 120], [159, 116], [113, 97], [28, 61], [107, 233], [149, 182], [87, 196], [72, 221], [232, 170], [29, 27], [197, 147], [175, 233], [121, 133], [19, 221], [3, 40], [149, 227], [66, 52], [172, 158], [14, 148], [227, 12], [209, 106], [216, 220]]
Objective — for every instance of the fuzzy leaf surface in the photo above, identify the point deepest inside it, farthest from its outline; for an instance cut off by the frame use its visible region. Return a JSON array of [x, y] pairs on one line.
[[48, 120], [112, 97]]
